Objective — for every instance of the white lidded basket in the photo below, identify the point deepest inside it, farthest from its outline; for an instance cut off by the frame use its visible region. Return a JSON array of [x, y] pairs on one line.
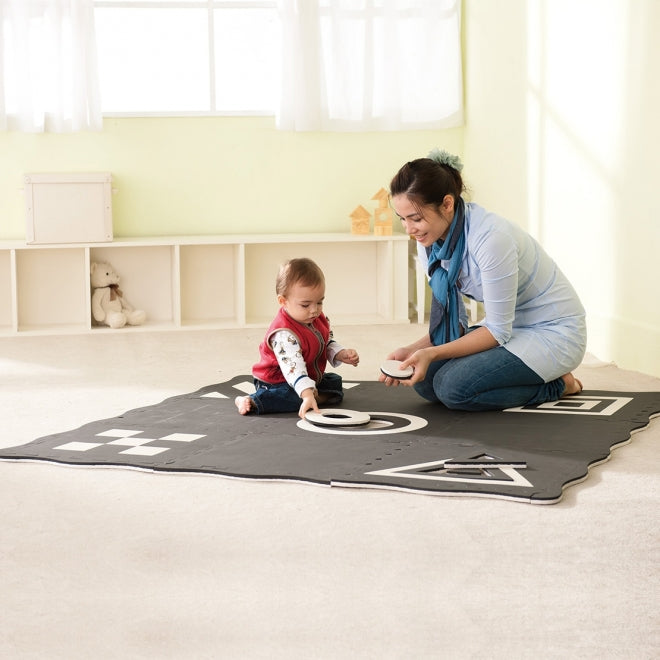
[[68, 208]]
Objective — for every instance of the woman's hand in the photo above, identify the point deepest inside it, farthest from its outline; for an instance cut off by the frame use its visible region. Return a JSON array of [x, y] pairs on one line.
[[405, 354], [419, 361], [399, 354]]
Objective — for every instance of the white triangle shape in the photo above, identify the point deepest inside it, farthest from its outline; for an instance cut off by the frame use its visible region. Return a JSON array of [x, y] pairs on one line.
[[245, 386], [408, 472]]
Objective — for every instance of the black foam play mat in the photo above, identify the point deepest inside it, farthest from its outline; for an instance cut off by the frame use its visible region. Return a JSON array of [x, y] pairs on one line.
[[528, 454]]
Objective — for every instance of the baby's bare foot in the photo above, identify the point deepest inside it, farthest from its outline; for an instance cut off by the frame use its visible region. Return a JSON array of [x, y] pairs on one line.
[[244, 404], [573, 385]]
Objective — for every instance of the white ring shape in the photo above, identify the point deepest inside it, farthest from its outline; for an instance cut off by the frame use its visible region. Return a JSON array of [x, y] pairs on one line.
[[338, 417], [377, 426]]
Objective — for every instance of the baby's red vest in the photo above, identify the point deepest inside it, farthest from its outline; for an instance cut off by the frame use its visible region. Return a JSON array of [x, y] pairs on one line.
[[313, 341]]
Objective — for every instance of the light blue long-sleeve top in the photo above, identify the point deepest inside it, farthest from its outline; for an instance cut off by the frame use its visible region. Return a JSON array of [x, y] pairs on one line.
[[530, 306]]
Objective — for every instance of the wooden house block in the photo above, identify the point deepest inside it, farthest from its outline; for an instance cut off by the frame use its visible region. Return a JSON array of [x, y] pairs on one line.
[[360, 220], [383, 217], [382, 197]]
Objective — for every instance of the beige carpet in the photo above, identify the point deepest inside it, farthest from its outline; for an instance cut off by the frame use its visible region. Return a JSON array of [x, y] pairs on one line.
[[111, 563]]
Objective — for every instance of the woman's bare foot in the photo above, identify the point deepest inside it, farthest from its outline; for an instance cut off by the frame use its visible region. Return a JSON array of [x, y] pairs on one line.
[[573, 385], [244, 404]]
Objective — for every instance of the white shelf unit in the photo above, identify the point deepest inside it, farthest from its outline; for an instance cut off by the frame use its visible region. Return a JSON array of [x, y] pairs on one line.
[[200, 281]]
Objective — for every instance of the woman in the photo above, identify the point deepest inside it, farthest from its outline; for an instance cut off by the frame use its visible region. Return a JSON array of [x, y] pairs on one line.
[[533, 334]]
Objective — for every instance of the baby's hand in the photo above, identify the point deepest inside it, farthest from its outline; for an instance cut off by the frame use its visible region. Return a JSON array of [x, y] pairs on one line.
[[348, 356], [308, 403]]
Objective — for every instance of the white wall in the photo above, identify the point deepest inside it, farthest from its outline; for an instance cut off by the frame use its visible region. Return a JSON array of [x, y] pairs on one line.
[[563, 137]]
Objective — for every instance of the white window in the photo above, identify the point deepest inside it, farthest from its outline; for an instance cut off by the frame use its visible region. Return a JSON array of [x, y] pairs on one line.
[[370, 65], [315, 64], [188, 56]]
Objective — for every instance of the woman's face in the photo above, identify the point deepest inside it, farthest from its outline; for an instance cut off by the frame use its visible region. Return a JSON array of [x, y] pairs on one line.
[[425, 224]]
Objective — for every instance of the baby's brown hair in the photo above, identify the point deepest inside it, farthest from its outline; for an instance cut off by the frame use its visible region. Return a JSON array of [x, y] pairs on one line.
[[302, 270]]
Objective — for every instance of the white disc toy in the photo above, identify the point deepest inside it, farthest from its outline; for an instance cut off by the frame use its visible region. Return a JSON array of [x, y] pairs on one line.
[[392, 368], [337, 417]]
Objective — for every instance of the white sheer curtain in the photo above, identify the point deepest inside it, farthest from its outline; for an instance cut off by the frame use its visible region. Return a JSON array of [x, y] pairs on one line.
[[370, 65], [48, 70]]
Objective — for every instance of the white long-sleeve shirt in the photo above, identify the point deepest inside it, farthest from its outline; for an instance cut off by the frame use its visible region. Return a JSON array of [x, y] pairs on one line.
[[289, 356]]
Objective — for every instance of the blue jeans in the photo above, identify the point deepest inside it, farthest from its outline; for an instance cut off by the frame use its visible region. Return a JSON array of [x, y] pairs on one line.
[[491, 380], [281, 397]]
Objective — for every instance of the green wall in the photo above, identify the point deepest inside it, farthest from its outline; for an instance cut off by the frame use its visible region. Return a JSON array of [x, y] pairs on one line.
[[217, 175]]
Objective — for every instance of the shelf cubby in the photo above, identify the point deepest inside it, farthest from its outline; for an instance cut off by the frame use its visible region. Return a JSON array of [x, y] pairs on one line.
[[52, 290]]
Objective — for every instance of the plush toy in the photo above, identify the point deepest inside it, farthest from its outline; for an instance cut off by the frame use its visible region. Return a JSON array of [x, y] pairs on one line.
[[109, 307]]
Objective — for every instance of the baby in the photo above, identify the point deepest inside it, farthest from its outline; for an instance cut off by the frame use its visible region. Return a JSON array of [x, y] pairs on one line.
[[290, 374]]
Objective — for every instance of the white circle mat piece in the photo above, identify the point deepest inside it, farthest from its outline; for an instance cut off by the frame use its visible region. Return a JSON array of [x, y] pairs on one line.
[[392, 368], [338, 417]]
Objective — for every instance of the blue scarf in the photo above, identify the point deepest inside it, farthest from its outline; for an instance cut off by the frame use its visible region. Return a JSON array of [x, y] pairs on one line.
[[444, 324]]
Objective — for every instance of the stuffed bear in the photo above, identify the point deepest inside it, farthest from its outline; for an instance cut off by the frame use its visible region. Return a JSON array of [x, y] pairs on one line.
[[109, 307]]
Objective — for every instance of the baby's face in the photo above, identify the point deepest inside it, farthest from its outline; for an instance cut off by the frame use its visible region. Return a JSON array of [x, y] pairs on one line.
[[303, 303]]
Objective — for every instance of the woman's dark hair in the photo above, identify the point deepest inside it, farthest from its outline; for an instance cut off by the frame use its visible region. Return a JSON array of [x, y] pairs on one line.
[[425, 181]]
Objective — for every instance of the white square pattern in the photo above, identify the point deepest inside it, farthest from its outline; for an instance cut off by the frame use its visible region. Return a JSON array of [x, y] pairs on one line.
[[79, 446], [136, 446]]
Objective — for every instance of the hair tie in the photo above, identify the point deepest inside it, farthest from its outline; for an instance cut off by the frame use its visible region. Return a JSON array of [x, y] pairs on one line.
[[443, 157]]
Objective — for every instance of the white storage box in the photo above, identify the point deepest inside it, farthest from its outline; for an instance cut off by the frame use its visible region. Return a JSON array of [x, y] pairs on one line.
[[68, 208]]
